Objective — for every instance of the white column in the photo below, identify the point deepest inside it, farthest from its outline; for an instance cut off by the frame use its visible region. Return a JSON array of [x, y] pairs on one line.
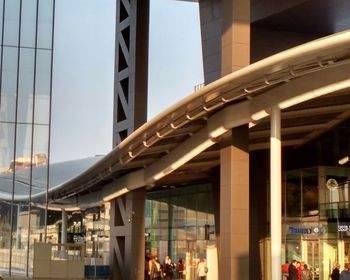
[[275, 194], [64, 227]]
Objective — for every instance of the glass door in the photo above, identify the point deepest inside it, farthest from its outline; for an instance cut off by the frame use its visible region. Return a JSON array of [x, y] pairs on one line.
[[313, 258]]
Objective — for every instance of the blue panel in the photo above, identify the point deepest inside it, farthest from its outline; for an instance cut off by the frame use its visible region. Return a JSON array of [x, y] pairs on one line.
[[89, 271], [102, 271]]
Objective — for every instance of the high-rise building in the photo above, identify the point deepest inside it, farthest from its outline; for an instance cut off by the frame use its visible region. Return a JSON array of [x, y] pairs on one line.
[[26, 34]]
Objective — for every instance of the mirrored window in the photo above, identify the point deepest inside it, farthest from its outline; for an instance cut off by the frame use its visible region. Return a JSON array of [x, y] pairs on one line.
[[11, 23], [25, 86], [9, 84], [45, 19], [42, 87], [28, 23], [7, 136], [5, 234]]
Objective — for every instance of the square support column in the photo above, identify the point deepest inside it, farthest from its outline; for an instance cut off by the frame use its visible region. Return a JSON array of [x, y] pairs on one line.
[[234, 208], [235, 35], [127, 241]]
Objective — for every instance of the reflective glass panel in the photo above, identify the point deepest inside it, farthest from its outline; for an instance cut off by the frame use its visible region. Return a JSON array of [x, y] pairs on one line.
[[190, 228], [5, 235], [41, 146], [7, 135], [163, 215], [155, 214], [191, 233], [20, 238], [25, 86], [23, 146], [28, 23], [191, 210], [9, 84], [148, 214], [1, 14], [36, 232], [45, 19], [293, 194], [11, 24], [42, 87], [310, 192]]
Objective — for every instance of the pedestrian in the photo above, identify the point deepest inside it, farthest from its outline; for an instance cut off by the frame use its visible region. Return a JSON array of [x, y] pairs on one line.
[[292, 271], [181, 268], [345, 274], [156, 271], [335, 272], [168, 268], [299, 268], [306, 273], [202, 270]]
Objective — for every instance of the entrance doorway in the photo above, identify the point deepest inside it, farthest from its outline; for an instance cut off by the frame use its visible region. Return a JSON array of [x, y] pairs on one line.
[[313, 257]]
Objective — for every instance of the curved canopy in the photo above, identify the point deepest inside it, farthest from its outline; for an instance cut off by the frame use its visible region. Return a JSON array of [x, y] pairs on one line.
[[308, 83], [59, 174]]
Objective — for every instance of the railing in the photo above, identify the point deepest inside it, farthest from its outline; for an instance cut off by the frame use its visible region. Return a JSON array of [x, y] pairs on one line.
[[335, 210]]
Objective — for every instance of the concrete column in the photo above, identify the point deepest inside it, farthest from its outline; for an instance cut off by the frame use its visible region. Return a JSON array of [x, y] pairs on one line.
[[234, 208], [235, 35], [127, 239], [276, 194]]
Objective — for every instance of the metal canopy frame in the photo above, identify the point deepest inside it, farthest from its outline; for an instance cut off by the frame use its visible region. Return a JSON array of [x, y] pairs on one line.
[[309, 80]]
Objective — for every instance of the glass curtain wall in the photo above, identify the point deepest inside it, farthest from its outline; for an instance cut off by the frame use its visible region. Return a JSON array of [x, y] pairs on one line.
[[26, 38], [316, 217], [180, 224]]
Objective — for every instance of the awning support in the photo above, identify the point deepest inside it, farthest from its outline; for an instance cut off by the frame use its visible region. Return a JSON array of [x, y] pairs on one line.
[[275, 193]]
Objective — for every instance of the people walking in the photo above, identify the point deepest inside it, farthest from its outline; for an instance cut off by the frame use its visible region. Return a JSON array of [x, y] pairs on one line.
[[299, 268], [306, 273], [156, 270], [202, 270], [292, 271], [168, 268], [335, 272], [181, 269], [345, 274]]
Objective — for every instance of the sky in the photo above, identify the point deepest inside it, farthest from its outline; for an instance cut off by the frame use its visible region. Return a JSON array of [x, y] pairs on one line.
[[83, 71]]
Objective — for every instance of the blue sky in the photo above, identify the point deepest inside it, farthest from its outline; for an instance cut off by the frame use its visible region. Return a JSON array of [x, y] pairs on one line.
[[84, 69]]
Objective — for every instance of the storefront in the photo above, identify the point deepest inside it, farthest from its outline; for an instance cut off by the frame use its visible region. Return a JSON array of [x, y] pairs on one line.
[[180, 224], [316, 228]]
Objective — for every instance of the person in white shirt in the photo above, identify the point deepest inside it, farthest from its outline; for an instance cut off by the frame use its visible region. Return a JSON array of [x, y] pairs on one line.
[[202, 270]]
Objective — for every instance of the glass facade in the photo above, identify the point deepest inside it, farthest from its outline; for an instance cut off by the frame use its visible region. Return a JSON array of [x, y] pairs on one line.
[[25, 101], [180, 224], [316, 227]]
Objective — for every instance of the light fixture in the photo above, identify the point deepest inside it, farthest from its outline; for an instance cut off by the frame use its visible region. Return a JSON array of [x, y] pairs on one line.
[[343, 160], [217, 132], [314, 93], [260, 115], [252, 124], [115, 194], [182, 160], [197, 150], [331, 184], [71, 209]]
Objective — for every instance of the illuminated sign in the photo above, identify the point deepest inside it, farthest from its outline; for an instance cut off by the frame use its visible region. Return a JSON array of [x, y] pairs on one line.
[[300, 230], [343, 228]]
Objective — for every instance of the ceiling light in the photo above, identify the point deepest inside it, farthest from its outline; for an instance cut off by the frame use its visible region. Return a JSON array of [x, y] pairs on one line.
[[115, 194], [343, 160], [314, 93]]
